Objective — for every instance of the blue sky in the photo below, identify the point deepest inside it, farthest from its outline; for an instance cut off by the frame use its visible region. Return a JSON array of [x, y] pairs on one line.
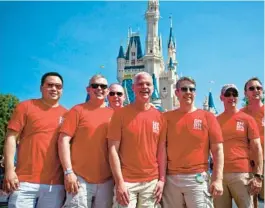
[[220, 41]]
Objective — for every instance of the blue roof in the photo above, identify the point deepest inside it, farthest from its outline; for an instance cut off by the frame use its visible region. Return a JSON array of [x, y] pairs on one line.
[[155, 95], [211, 105], [171, 38], [121, 53], [171, 65], [134, 39]]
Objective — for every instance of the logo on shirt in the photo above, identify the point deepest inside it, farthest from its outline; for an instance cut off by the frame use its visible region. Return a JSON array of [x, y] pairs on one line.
[[240, 126], [155, 127], [197, 124], [61, 119]]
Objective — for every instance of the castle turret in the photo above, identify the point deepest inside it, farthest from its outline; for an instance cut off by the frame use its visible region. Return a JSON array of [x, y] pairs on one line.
[[120, 65]]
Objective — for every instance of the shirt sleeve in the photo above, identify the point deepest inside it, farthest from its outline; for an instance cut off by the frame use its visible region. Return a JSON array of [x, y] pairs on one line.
[[253, 130], [71, 122], [215, 132], [19, 117], [115, 127]]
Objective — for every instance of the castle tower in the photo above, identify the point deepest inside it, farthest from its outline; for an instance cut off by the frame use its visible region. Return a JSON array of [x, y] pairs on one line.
[[153, 60], [169, 77]]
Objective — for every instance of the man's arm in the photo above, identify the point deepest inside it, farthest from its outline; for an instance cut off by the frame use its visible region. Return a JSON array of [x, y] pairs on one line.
[[11, 182], [115, 164], [216, 187], [71, 183], [256, 149], [162, 165]]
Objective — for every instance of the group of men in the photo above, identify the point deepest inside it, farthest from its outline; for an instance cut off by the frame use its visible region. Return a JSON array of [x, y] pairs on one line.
[[134, 156]]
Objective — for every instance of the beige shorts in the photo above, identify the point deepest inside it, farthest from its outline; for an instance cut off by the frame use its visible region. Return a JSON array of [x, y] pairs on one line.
[[235, 186], [187, 190], [141, 195]]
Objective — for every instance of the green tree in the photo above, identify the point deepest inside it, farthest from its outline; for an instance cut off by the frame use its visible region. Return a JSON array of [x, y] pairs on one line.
[[8, 103]]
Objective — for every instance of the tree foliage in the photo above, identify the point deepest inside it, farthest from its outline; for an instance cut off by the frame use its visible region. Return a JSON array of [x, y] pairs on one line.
[[8, 103]]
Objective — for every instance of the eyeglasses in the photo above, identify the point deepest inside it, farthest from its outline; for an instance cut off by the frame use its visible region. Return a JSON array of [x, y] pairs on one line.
[[102, 86], [115, 93], [252, 88], [229, 93], [57, 86], [185, 89]]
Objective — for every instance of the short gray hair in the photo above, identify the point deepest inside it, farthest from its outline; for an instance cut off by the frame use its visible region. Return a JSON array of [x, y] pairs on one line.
[[96, 76], [135, 78]]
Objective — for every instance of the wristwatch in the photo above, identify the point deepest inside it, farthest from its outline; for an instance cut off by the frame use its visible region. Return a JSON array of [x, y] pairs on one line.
[[259, 176], [68, 171]]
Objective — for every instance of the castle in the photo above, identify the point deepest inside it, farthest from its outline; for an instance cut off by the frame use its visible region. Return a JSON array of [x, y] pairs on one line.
[[133, 60]]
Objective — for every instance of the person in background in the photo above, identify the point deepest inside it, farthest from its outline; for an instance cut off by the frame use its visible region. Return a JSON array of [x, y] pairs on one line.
[[116, 96], [240, 133]]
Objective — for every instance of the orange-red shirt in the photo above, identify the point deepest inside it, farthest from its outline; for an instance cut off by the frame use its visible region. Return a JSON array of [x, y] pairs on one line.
[[38, 160], [89, 148], [259, 118], [139, 133], [237, 130], [189, 136]]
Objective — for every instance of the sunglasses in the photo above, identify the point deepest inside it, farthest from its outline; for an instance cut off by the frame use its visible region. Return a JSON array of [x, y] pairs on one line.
[[102, 86], [185, 89], [115, 93], [228, 94], [252, 88], [57, 86]]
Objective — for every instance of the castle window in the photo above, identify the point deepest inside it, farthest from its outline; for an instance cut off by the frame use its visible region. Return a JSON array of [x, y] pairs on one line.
[[151, 51], [133, 62], [133, 53]]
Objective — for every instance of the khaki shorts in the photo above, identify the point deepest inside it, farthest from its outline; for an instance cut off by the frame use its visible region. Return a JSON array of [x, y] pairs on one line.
[[187, 190], [141, 195], [235, 186]]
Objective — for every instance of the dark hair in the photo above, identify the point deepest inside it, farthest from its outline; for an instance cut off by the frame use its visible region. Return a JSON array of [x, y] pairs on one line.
[[252, 79], [43, 78]]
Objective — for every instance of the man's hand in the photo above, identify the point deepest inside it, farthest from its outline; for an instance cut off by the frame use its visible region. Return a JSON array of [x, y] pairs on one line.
[[255, 185], [216, 188], [159, 191], [71, 183], [122, 194], [11, 182]]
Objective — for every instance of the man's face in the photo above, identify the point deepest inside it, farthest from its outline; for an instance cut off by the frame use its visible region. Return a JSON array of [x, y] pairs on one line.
[[52, 88], [98, 89], [116, 96], [254, 91], [230, 98], [143, 88], [186, 92]]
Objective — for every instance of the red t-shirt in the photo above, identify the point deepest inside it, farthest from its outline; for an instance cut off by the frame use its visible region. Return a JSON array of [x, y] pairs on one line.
[[237, 130], [38, 160], [139, 133], [189, 136], [89, 148]]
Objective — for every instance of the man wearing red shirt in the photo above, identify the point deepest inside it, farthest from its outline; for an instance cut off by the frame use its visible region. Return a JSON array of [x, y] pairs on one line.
[[240, 133], [137, 149], [37, 180], [191, 134], [83, 150], [254, 93]]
